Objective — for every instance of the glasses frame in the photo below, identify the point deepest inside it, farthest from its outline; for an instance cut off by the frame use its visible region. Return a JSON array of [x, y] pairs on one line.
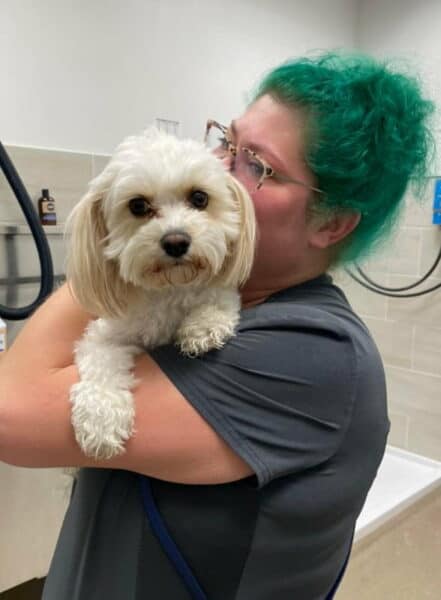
[[268, 171]]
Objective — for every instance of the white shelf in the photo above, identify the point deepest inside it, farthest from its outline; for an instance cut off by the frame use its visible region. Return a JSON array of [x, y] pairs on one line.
[[11, 227]]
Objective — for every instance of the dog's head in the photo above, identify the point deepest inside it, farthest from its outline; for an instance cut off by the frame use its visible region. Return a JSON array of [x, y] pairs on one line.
[[164, 212]]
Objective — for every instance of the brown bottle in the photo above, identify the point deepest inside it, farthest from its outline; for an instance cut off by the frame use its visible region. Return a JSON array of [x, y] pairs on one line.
[[46, 209]]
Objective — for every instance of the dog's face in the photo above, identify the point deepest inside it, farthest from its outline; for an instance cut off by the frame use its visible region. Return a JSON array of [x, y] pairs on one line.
[[171, 217], [164, 212]]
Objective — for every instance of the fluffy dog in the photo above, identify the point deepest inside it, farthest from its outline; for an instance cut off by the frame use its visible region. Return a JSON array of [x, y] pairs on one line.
[[159, 246]]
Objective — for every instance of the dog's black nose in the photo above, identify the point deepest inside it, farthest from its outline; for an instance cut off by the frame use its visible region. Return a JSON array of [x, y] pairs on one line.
[[175, 243]]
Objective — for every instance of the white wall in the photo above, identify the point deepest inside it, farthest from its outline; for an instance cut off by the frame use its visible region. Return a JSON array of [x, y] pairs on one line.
[[81, 74], [409, 30]]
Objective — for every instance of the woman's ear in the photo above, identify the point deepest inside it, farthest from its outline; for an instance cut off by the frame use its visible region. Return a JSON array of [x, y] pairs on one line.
[[330, 230]]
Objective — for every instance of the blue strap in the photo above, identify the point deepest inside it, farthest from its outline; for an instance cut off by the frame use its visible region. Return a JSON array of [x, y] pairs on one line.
[[168, 545]]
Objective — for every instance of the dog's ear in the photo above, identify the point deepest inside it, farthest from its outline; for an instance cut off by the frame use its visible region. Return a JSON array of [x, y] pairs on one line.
[[240, 260], [94, 279]]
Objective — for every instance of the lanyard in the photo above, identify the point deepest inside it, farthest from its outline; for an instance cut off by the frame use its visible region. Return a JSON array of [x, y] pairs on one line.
[[168, 545]]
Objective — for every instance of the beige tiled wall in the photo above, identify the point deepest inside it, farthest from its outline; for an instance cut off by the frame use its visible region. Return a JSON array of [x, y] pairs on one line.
[[33, 503], [31, 526], [65, 174], [407, 330], [401, 560]]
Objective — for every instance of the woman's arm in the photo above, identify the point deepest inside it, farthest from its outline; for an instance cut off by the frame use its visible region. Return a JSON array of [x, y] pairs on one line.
[[172, 441]]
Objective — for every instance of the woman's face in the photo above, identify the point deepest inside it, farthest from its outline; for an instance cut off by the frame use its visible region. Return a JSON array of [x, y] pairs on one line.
[[276, 133]]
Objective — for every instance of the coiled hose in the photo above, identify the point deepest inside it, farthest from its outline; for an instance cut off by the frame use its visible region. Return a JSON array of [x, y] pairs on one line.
[[44, 254]]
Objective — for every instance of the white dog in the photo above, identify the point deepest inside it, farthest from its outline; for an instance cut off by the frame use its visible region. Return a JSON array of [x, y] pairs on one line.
[[159, 245]]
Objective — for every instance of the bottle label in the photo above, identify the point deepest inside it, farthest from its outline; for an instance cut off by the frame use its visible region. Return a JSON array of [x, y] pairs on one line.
[[47, 206], [49, 219]]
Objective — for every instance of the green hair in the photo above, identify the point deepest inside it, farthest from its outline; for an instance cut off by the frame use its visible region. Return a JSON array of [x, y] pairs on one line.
[[367, 137]]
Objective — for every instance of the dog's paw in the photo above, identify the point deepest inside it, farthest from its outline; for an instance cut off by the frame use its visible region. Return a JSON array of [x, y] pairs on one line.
[[102, 418], [197, 340]]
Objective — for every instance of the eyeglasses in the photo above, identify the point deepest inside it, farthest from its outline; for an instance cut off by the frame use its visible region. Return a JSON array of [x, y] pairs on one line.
[[248, 166]]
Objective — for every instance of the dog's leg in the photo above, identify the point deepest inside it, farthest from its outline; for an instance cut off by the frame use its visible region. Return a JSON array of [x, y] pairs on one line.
[[210, 324], [102, 403]]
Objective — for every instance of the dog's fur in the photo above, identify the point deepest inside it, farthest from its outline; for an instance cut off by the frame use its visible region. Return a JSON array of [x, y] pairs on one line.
[[119, 271]]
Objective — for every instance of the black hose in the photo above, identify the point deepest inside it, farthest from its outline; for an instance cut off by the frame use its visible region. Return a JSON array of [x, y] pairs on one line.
[[386, 291], [379, 291], [399, 289], [44, 254]]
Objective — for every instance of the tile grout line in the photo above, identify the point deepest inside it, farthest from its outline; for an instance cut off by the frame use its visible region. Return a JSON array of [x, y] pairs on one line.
[[406, 432], [415, 371], [412, 348]]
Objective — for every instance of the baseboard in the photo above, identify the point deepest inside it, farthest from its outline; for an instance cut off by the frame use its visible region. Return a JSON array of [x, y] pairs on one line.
[[30, 590]]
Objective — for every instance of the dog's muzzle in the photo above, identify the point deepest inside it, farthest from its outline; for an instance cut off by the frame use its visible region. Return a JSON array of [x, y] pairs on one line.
[[175, 243]]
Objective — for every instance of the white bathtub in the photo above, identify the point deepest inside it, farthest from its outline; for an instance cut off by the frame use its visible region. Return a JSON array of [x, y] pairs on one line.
[[402, 479]]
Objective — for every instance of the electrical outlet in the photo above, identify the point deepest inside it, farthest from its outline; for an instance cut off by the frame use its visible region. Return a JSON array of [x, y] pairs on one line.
[[168, 126]]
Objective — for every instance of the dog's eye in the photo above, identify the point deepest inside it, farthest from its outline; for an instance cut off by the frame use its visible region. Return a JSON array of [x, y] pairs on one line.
[[139, 207], [199, 199]]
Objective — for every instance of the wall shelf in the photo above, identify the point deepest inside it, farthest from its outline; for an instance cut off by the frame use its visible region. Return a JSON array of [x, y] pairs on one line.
[[13, 228]]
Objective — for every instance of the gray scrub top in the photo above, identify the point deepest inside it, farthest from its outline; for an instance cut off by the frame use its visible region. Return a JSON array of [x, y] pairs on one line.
[[299, 393]]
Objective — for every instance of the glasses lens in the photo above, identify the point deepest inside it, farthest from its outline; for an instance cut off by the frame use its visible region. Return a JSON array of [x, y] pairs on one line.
[[216, 140], [248, 169]]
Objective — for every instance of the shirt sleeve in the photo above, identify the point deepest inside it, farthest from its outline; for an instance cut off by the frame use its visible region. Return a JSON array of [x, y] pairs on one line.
[[280, 392]]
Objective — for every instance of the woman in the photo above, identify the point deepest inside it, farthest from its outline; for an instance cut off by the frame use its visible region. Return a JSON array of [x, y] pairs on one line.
[[261, 454]]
